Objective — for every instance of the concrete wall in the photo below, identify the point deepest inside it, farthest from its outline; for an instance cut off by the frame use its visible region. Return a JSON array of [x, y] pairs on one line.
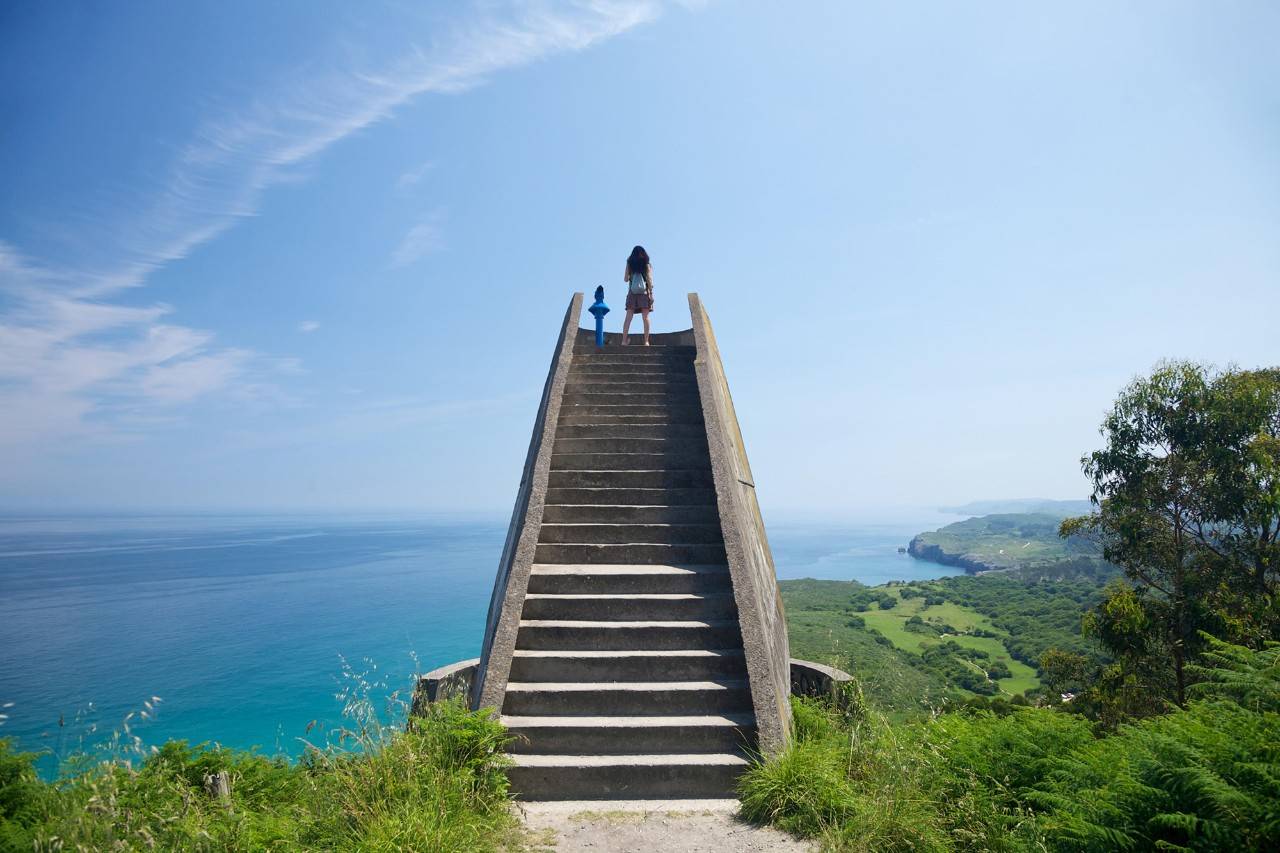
[[814, 679], [755, 584], [512, 581]]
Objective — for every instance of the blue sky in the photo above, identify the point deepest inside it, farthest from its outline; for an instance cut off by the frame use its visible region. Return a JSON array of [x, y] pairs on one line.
[[305, 255]]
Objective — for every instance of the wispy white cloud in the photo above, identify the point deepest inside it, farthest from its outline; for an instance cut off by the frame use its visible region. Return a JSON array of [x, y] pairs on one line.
[[71, 359], [421, 240], [414, 176], [308, 326]]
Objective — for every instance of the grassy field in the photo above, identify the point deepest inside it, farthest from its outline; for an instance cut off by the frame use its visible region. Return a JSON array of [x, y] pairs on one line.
[[819, 616]]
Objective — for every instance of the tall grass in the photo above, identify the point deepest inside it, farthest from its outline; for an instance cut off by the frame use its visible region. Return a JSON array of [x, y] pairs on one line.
[[1203, 778], [437, 784]]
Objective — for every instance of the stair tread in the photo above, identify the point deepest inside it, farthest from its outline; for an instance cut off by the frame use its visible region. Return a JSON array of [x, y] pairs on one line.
[[623, 721], [647, 623], [626, 569], [626, 653], [630, 686], [628, 596], [671, 759]]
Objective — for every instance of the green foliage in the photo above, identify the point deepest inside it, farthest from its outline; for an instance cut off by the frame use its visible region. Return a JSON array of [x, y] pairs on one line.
[[1187, 487], [1206, 777], [438, 786], [822, 627], [1037, 615]]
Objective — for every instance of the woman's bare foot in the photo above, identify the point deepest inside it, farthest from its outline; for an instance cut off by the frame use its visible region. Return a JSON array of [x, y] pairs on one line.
[[624, 342], [646, 343]]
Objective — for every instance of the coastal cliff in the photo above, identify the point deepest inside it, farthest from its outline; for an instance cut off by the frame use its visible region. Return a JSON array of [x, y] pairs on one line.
[[934, 553], [1008, 542]]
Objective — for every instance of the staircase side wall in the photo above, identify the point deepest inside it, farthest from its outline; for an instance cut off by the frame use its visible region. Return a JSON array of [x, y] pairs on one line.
[[512, 582], [755, 583]]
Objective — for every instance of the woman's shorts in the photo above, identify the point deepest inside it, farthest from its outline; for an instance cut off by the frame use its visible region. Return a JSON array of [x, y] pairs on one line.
[[639, 302]]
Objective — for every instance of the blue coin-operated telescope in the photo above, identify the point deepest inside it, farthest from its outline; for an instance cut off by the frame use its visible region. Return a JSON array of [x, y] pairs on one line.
[[598, 310]]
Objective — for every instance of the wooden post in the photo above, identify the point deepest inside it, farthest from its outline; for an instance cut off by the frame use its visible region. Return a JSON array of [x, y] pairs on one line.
[[218, 787]]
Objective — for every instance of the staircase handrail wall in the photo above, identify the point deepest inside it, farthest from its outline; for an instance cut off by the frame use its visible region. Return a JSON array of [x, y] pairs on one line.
[[755, 582], [512, 582]]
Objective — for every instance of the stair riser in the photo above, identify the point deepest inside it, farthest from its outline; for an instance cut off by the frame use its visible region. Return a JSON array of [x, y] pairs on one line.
[[671, 367], [613, 345], [635, 639], [713, 608], [686, 412], [691, 445], [630, 461], [605, 534], [635, 554], [629, 397], [609, 701], [587, 513], [632, 431], [651, 668], [624, 783], [631, 497], [569, 417], [660, 479], [631, 356], [630, 584], [634, 740], [650, 383]]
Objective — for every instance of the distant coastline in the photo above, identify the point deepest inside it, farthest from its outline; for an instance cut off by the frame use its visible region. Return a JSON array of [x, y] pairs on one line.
[[1023, 542]]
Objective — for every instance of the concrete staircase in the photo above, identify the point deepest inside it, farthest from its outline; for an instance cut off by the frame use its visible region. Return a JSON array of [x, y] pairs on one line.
[[628, 679]]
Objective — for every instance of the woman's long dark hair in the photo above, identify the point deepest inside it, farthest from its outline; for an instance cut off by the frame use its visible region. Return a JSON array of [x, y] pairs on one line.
[[638, 262]]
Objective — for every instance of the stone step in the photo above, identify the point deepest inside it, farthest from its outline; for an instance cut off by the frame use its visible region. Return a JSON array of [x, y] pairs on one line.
[[647, 734], [574, 635], [618, 580], [632, 497], [689, 457], [631, 607], [575, 416], [678, 478], [631, 381], [625, 777], [613, 346], [632, 430], [687, 445], [635, 365], [630, 397], [630, 514], [689, 412], [643, 665], [629, 552], [588, 355], [636, 534], [610, 698]]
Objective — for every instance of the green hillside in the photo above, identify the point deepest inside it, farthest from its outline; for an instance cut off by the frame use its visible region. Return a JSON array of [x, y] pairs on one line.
[[1024, 542]]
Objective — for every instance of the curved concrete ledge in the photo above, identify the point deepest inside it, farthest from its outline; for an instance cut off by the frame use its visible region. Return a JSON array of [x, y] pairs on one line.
[[456, 679], [814, 679]]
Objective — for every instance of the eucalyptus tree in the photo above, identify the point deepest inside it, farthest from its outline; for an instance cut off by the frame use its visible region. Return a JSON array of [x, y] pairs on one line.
[[1187, 497]]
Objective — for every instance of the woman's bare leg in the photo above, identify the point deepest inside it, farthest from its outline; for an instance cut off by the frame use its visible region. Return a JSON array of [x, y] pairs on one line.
[[626, 325], [645, 316]]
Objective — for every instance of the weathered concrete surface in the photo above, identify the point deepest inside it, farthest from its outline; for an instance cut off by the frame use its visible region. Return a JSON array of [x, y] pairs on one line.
[[755, 583], [672, 826], [512, 580], [814, 679], [456, 679]]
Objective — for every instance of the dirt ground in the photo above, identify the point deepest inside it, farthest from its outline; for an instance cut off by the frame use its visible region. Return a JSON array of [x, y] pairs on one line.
[[564, 828]]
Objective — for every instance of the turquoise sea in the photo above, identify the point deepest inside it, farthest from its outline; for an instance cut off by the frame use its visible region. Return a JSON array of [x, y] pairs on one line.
[[241, 624]]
